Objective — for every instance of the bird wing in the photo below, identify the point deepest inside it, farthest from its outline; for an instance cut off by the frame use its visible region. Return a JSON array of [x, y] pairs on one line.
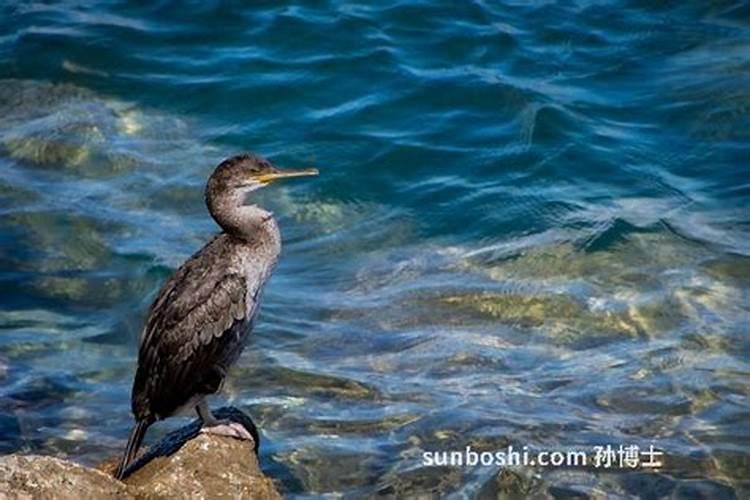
[[195, 321]]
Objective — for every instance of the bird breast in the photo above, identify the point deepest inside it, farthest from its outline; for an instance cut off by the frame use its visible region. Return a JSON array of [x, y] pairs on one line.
[[258, 260]]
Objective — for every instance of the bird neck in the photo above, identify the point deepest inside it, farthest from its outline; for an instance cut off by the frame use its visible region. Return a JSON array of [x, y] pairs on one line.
[[247, 222]]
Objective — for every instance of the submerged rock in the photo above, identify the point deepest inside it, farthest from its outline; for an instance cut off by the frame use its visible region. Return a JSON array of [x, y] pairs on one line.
[[185, 464], [64, 128]]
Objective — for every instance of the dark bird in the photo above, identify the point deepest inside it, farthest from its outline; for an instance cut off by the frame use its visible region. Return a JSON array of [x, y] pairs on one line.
[[198, 323]]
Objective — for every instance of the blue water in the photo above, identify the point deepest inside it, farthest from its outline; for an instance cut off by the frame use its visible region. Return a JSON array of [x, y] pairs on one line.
[[530, 228]]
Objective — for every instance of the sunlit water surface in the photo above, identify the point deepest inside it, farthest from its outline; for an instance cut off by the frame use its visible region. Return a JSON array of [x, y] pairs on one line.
[[531, 228]]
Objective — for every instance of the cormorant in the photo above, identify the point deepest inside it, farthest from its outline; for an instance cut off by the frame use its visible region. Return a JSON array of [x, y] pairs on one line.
[[198, 323]]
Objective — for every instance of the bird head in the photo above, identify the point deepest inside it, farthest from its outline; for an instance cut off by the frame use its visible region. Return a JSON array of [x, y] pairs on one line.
[[248, 172]]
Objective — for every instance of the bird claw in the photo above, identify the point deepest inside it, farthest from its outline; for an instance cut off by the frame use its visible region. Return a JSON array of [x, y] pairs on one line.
[[229, 429]]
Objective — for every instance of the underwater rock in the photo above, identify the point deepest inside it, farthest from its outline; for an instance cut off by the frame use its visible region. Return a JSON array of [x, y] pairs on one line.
[[63, 127], [508, 485], [185, 464]]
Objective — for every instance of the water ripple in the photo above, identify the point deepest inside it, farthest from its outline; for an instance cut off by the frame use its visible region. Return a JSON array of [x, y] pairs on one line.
[[530, 229]]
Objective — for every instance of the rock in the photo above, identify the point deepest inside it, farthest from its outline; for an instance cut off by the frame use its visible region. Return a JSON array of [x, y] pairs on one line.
[[35, 476], [206, 467], [508, 484], [185, 464]]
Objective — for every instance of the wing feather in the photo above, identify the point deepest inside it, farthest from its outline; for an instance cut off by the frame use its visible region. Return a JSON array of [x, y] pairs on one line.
[[195, 330]]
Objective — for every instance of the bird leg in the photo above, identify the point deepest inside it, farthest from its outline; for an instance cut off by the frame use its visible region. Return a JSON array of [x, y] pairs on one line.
[[220, 427]]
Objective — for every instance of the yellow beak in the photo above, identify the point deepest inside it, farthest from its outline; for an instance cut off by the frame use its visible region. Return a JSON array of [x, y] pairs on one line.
[[283, 174]]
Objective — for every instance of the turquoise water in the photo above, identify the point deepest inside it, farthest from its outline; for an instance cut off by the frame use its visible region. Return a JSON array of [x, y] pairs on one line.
[[530, 228]]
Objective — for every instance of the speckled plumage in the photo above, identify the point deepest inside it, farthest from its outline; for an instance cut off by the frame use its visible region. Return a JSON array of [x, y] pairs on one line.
[[198, 324]]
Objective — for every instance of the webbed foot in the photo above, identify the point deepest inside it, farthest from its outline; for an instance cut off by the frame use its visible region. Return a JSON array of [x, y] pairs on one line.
[[227, 428]]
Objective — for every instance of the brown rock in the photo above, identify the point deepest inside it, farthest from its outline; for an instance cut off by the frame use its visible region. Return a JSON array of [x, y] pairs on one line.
[[207, 466], [185, 464], [38, 477]]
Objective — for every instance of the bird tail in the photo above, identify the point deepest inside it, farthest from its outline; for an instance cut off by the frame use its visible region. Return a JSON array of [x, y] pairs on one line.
[[134, 442]]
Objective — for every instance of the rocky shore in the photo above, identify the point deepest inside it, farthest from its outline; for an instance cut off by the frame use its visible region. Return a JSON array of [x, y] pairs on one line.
[[185, 464]]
